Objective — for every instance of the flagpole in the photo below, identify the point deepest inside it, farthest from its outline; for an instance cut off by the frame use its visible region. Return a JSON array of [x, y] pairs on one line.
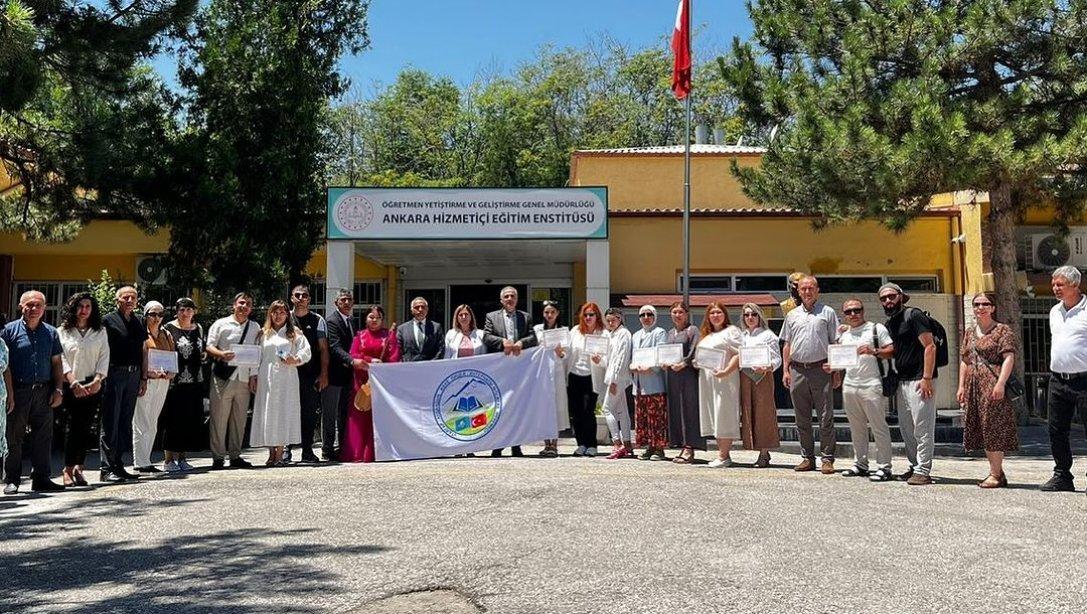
[[687, 178]]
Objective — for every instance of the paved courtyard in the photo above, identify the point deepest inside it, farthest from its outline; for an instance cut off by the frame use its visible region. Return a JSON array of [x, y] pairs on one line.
[[548, 535]]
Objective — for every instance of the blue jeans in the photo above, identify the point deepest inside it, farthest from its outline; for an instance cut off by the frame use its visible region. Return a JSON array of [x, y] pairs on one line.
[[118, 405]]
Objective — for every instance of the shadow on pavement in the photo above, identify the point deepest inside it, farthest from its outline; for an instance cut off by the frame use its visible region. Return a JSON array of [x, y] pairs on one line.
[[212, 572]]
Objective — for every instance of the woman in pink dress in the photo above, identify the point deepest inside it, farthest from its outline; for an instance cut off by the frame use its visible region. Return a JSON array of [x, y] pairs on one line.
[[373, 344]]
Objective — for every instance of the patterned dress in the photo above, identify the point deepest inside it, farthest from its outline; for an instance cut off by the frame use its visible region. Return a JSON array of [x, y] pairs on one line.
[[183, 419], [989, 425]]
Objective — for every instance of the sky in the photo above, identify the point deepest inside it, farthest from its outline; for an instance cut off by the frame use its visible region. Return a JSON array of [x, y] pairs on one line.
[[460, 39]]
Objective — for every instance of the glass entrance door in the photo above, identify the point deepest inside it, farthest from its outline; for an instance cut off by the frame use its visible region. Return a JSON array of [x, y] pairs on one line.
[[483, 298], [435, 298]]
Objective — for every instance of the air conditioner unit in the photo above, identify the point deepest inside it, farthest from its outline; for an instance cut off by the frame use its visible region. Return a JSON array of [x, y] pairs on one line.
[[1049, 251], [151, 269]]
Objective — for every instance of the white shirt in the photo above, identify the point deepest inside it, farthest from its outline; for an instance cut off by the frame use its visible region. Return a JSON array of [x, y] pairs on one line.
[[84, 355], [1068, 347], [225, 332], [453, 338], [580, 360], [866, 373]]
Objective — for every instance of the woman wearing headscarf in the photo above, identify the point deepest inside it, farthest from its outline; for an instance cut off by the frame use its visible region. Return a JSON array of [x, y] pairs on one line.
[[758, 410], [145, 420], [650, 400]]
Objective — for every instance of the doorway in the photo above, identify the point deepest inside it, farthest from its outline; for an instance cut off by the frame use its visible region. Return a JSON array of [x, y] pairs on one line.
[[436, 307], [483, 298]]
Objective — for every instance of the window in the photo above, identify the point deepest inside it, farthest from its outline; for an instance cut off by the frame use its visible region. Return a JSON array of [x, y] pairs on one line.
[[707, 284], [56, 292], [365, 293], [930, 284], [762, 283], [849, 285], [714, 284]]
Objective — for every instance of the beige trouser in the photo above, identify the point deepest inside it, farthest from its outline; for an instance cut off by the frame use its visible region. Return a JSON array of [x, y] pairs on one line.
[[865, 406], [229, 409]]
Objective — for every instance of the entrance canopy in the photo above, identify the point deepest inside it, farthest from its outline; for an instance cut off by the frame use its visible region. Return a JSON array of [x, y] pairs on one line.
[[440, 254]]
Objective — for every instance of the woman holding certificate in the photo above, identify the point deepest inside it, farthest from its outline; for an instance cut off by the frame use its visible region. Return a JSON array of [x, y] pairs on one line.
[[650, 403], [551, 322], [586, 340], [86, 365], [373, 344], [684, 430], [760, 357], [616, 381], [183, 416], [277, 411], [718, 360], [160, 365]]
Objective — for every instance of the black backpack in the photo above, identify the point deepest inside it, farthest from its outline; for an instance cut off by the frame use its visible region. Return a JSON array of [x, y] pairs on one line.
[[939, 336]]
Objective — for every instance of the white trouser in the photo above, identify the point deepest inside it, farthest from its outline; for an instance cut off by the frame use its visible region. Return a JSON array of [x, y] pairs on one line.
[[145, 421], [866, 407], [617, 416]]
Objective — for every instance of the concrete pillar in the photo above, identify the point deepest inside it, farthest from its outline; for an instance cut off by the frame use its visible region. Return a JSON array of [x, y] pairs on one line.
[[339, 270], [598, 272]]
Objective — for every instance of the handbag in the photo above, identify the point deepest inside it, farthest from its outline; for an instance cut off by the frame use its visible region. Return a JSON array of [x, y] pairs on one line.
[[222, 370], [888, 381], [364, 400], [1013, 388]]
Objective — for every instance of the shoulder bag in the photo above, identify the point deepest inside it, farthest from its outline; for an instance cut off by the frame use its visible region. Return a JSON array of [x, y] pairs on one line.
[[222, 370], [888, 380], [364, 400], [1013, 388]]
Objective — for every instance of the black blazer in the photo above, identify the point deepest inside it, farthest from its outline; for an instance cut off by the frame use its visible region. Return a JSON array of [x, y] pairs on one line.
[[340, 371], [494, 330], [433, 341]]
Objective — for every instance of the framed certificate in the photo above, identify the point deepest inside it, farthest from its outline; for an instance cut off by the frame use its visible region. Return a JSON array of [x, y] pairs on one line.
[[842, 356], [245, 355], [162, 360], [755, 357], [596, 344], [709, 358], [555, 338], [643, 358], [669, 354]]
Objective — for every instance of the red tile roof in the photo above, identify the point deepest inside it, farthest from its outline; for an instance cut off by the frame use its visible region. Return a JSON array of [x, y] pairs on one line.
[[699, 300]]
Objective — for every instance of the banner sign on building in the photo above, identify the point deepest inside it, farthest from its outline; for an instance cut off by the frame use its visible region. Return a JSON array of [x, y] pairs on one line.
[[445, 407], [423, 213]]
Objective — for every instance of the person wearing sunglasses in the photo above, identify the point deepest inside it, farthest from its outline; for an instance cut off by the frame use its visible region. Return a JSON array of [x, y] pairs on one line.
[[145, 420], [862, 392], [758, 409], [312, 374], [581, 384], [987, 360], [650, 401]]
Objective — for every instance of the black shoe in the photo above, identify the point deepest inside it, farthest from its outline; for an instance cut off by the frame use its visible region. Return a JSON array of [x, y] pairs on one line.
[[516, 451], [496, 452], [148, 469], [854, 472], [240, 463], [907, 475], [11, 489], [330, 456], [310, 458], [217, 463], [46, 486], [1058, 483], [122, 473]]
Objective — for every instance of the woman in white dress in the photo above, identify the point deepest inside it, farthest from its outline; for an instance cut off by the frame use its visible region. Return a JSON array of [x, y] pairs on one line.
[[145, 420], [561, 366], [277, 417], [617, 379], [719, 388], [463, 339]]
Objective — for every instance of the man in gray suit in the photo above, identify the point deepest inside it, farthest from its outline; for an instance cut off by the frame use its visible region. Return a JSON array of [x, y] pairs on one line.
[[508, 330], [420, 339]]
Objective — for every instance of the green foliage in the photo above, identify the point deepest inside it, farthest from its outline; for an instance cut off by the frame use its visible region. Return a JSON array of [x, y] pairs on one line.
[[104, 291]]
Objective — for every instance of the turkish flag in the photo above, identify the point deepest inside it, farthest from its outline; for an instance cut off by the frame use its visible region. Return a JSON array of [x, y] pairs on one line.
[[681, 48]]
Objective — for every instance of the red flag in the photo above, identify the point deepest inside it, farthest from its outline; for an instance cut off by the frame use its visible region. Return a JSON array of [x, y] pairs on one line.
[[681, 48]]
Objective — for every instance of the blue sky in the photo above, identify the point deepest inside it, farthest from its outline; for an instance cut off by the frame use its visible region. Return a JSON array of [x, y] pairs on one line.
[[461, 38]]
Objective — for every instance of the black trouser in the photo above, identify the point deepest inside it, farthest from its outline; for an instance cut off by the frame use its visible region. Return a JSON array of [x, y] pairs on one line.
[[1066, 399], [81, 415], [31, 408], [309, 402], [581, 400], [119, 395], [335, 403]]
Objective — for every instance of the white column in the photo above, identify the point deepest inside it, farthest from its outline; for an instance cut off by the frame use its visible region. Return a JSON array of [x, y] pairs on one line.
[[339, 270], [598, 272]]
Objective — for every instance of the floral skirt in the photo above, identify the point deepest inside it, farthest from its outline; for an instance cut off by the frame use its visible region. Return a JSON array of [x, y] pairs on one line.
[[651, 421]]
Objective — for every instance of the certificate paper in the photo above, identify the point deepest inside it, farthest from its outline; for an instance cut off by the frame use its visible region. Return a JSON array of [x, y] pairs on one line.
[[245, 355], [643, 358], [555, 338], [669, 354], [162, 360], [842, 356], [709, 358], [755, 357], [596, 344]]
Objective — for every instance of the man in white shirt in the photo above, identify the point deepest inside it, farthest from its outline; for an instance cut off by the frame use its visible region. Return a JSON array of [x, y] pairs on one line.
[[862, 391], [1068, 370], [230, 385]]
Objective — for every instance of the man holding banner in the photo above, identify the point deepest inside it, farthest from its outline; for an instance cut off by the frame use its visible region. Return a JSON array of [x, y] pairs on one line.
[[508, 330]]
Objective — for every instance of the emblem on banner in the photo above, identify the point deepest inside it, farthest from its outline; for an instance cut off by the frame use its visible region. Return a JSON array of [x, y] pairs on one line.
[[467, 405], [354, 213]]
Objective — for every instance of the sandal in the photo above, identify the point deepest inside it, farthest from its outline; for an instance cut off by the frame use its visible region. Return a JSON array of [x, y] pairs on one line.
[[991, 481], [681, 460], [763, 461]]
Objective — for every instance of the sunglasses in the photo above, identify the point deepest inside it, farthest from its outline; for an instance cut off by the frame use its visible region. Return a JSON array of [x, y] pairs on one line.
[[888, 297], [301, 295], [751, 315], [155, 314], [982, 305], [646, 315], [590, 314], [852, 312]]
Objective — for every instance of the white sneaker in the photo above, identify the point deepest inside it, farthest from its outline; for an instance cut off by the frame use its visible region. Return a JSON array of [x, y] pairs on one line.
[[172, 467], [720, 463], [590, 451], [185, 466]]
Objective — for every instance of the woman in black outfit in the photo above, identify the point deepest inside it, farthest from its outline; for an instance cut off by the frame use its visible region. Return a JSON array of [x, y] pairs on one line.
[[184, 412]]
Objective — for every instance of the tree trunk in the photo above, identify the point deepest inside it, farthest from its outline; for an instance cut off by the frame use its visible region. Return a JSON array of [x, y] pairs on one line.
[[1000, 228]]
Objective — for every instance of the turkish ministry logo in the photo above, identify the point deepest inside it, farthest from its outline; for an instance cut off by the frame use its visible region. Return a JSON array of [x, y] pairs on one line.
[[354, 213], [467, 405]]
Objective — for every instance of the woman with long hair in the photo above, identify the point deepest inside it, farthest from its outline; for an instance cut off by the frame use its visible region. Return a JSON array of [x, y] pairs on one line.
[[758, 410], [616, 381], [145, 420], [277, 409], [562, 403], [463, 339], [374, 344], [719, 384], [684, 430], [184, 413], [581, 393], [86, 364]]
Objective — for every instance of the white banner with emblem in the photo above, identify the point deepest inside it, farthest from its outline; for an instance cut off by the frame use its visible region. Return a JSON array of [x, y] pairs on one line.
[[445, 407]]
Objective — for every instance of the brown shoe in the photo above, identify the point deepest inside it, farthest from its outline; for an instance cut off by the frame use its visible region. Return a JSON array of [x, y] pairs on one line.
[[805, 465], [827, 468], [919, 480], [994, 482], [763, 461]]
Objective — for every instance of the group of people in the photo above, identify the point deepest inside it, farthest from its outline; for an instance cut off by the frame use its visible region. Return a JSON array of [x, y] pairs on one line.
[[304, 365]]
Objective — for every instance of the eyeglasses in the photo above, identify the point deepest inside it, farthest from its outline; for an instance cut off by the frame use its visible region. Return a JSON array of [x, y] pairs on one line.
[[301, 295], [852, 312], [645, 315], [590, 314], [888, 297], [982, 305], [751, 315]]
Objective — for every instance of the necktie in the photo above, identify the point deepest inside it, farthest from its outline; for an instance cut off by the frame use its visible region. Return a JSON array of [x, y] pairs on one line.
[[419, 334], [350, 331]]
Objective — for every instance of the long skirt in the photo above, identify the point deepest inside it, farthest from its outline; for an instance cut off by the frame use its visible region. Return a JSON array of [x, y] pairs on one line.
[[651, 421], [758, 413], [183, 418], [684, 428]]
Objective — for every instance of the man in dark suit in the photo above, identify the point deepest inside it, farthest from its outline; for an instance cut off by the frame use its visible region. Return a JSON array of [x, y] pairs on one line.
[[420, 339], [508, 330], [336, 397]]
